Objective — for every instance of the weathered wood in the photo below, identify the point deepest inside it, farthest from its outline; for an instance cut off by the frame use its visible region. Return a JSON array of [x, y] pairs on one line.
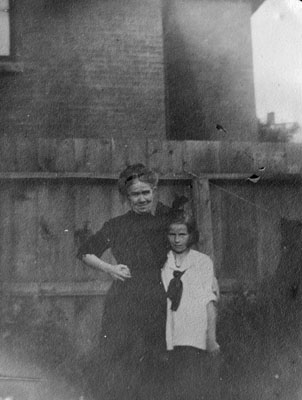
[[78, 289], [187, 176], [82, 225], [137, 152], [273, 158], [27, 154], [120, 155], [46, 155], [80, 149], [293, 159], [237, 156], [239, 233], [24, 199], [46, 233], [217, 224], [90, 288], [66, 305], [166, 157], [65, 215], [290, 198], [201, 157], [203, 215], [99, 156], [269, 235], [8, 156], [65, 155], [6, 235], [87, 326]]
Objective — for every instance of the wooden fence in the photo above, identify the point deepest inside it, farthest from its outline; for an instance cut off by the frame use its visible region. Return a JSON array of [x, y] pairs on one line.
[[54, 192]]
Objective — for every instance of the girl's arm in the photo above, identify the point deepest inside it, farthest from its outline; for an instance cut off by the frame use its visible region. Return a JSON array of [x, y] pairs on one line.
[[212, 345], [120, 271]]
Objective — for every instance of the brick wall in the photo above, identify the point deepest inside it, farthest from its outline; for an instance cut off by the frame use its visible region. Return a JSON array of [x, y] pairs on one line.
[[92, 68]]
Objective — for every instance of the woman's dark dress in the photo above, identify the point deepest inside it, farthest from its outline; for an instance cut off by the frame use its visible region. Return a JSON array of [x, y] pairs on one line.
[[133, 325]]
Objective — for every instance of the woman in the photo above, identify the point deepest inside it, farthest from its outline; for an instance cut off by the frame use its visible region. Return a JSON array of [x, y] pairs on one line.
[[133, 325]]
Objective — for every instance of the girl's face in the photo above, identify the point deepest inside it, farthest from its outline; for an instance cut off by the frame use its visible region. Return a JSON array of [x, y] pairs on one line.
[[178, 236], [141, 197]]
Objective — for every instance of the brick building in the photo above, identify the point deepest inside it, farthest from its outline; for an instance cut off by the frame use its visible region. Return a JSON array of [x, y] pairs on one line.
[[130, 68]]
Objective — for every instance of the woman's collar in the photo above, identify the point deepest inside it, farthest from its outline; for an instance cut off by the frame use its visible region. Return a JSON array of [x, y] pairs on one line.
[[158, 209]]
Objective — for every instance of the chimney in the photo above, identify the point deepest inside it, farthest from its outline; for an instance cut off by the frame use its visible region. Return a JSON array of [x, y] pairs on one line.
[[270, 118]]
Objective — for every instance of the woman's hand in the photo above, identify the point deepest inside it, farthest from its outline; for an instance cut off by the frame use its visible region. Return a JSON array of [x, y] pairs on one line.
[[120, 272]]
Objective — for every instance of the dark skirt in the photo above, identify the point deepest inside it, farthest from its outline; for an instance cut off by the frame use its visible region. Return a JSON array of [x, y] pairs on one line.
[[133, 357]]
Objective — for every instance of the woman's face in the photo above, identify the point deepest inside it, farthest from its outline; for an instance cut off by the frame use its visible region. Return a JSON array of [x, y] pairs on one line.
[[141, 196]]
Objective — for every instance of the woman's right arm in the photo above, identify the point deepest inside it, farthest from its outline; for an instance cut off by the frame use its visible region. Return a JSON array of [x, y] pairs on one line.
[[120, 271]]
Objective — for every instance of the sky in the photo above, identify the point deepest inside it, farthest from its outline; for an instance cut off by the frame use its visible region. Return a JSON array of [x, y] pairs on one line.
[[277, 57]]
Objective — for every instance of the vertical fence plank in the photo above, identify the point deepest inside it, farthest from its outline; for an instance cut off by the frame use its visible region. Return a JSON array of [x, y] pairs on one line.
[[65, 155], [216, 199], [47, 154], [65, 224], [203, 215], [201, 157], [126, 152], [120, 153], [166, 157], [56, 216], [240, 233], [88, 322], [137, 152], [6, 234], [25, 226], [83, 225], [80, 150], [269, 232], [47, 239], [8, 156], [27, 154], [98, 156]]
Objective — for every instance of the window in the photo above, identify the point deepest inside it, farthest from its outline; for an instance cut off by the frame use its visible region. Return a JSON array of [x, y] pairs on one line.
[[5, 29], [8, 56]]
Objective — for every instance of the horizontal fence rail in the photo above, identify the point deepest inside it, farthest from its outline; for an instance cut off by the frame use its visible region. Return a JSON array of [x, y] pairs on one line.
[[169, 158]]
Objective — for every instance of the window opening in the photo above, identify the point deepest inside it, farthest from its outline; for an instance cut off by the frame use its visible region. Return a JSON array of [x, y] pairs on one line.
[[5, 30]]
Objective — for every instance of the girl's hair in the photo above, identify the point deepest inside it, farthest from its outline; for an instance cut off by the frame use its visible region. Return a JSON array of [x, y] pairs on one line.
[[136, 171], [190, 223]]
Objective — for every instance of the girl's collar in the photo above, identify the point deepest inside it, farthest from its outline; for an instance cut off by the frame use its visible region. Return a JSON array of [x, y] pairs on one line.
[[171, 262]]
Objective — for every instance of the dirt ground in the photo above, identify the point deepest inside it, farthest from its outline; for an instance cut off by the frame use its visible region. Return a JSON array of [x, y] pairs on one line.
[[261, 353]]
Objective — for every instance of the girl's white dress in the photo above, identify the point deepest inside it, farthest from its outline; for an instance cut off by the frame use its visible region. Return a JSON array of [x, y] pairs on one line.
[[187, 326]]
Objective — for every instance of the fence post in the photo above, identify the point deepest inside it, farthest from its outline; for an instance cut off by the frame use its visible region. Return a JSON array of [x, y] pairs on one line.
[[202, 211]]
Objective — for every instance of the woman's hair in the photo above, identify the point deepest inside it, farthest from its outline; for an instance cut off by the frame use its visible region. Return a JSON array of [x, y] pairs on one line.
[[136, 171], [182, 219]]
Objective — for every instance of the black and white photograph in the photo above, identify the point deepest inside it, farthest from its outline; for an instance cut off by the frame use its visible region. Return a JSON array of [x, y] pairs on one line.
[[150, 200]]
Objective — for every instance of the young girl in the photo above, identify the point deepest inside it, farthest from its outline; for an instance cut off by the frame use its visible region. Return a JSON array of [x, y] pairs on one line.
[[189, 281]]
